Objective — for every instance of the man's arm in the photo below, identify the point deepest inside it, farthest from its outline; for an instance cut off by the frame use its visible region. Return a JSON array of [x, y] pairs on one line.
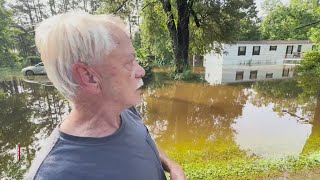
[[175, 170]]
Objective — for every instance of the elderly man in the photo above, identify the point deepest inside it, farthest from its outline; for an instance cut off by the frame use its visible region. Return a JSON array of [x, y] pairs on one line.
[[91, 61]]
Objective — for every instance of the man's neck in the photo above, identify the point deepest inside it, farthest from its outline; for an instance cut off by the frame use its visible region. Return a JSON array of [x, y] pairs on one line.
[[91, 121]]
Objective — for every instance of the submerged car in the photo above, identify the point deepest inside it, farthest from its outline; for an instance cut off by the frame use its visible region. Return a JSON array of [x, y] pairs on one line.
[[34, 70]]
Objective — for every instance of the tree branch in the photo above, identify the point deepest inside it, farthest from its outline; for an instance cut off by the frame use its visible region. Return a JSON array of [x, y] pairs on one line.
[[306, 25], [149, 4], [120, 7], [195, 17]]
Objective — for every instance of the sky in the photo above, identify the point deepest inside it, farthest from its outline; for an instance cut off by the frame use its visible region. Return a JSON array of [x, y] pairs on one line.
[[259, 3]]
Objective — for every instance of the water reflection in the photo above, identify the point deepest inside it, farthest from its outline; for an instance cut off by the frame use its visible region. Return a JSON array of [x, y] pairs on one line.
[[266, 134], [28, 114], [194, 121], [222, 74]]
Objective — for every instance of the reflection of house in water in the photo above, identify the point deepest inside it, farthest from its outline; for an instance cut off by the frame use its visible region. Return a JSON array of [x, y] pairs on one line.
[[254, 60], [222, 74]]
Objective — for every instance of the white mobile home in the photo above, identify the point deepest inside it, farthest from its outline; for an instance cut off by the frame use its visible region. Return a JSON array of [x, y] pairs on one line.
[[254, 60]]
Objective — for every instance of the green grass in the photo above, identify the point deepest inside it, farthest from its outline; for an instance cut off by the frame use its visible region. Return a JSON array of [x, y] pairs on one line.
[[7, 73], [225, 160], [245, 167]]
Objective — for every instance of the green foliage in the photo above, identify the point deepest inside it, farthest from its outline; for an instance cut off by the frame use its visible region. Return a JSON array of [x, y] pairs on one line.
[[119, 7], [249, 30], [8, 56], [314, 34], [284, 22], [220, 22], [245, 167], [154, 34], [212, 23], [224, 160], [32, 60], [310, 69], [187, 75], [270, 5]]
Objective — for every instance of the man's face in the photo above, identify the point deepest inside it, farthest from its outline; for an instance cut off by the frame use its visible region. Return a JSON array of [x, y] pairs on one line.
[[121, 72]]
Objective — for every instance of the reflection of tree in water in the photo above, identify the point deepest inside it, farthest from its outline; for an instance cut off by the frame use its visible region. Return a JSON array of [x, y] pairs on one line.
[[190, 114], [15, 127], [283, 94], [288, 97], [27, 111], [48, 105]]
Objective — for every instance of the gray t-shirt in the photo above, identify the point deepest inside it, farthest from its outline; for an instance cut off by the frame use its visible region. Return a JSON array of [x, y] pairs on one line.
[[129, 153]]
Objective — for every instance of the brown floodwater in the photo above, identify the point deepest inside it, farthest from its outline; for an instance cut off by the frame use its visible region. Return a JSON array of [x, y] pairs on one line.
[[263, 119]]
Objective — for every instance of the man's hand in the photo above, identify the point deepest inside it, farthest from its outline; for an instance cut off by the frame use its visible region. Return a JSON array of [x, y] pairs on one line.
[[175, 170]]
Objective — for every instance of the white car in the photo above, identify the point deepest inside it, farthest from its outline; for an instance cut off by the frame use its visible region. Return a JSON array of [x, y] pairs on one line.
[[33, 70]]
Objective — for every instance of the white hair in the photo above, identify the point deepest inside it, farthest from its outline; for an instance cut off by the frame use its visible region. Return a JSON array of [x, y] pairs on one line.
[[65, 39]]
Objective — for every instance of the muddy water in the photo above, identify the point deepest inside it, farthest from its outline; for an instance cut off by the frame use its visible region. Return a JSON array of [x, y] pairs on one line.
[[264, 119]]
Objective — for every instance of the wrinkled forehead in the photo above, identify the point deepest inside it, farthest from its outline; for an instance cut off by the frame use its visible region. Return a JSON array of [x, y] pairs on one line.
[[122, 41], [118, 34]]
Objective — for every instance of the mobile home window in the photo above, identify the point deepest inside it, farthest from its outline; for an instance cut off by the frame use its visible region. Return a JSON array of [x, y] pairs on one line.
[[285, 72], [289, 50], [269, 75], [273, 48], [239, 75], [241, 50], [256, 50], [299, 48], [253, 74]]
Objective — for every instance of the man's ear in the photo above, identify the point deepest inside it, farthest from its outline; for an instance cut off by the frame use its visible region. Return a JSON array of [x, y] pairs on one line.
[[85, 76]]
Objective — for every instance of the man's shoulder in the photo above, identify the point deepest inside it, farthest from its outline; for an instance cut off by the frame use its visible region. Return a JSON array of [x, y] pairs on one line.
[[134, 110], [54, 171]]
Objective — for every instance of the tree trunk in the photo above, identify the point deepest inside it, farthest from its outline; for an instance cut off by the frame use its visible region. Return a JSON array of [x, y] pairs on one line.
[[179, 35], [85, 5], [40, 11], [65, 5], [30, 14], [52, 7], [183, 35], [35, 11]]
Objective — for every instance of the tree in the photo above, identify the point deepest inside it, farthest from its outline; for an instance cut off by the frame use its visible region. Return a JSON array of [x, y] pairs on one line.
[[249, 29], [218, 20], [126, 9], [7, 54], [270, 5], [285, 22], [166, 26], [310, 68], [154, 36]]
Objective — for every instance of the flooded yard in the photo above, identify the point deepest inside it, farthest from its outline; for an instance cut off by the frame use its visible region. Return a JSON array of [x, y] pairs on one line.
[[217, 129]]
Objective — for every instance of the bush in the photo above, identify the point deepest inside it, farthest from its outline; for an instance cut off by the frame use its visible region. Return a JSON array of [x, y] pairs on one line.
[[32, 60], [187, 75]]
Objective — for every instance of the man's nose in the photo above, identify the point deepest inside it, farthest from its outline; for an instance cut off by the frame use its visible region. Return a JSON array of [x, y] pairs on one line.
[[140, 72]]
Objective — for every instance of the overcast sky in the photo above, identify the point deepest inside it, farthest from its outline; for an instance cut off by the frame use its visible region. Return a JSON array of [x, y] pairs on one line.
[[259, 3]]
